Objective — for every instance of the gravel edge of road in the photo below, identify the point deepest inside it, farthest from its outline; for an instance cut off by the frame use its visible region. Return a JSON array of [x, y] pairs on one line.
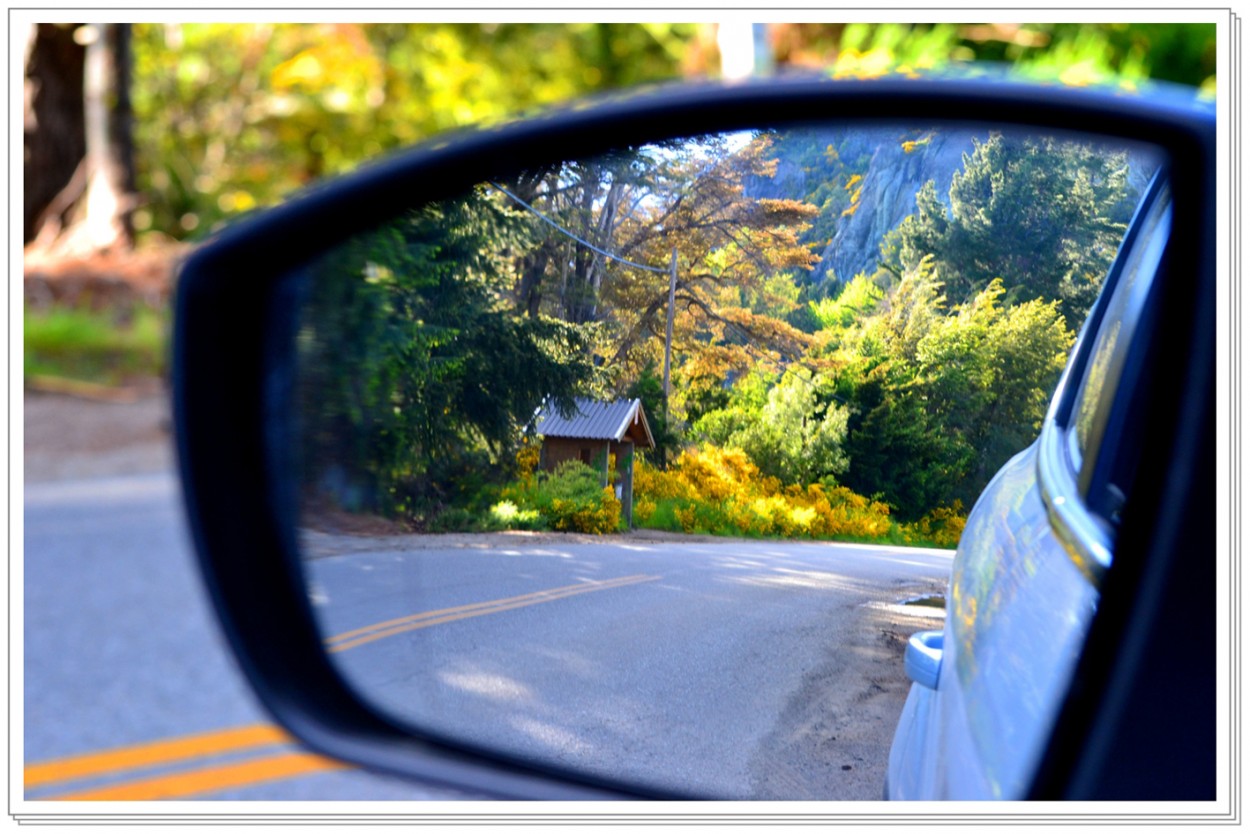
[[67, 437], [844, 716]]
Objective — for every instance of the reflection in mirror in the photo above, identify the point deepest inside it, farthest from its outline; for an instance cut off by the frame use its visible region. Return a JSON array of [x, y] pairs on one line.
[[575, 443]]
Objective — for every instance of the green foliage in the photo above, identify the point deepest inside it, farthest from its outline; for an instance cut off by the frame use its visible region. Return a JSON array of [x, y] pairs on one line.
[[990, 373], [509, 517], [793, 433], [1076, 54], [901, 452], [944, 399], [914, 308], [94, 346], [230, 117], [417, 380], [460, 520], [857, 299], [649, 388], [1044, 217], [569, 499]]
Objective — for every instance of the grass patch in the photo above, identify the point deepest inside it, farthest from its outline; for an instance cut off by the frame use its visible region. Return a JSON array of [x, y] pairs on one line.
[[105, 347]]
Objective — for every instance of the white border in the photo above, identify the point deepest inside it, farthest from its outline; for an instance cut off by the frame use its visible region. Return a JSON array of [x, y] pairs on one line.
[[566, 12]]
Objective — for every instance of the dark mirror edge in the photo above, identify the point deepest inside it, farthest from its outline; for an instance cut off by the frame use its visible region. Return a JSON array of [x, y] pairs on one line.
[[223, 368]]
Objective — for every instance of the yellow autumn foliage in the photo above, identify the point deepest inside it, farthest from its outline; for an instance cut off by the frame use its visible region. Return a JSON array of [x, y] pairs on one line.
[[717, 490], [574, 517]]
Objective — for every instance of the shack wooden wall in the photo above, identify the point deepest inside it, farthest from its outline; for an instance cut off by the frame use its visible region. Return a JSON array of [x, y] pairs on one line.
[[556, 450]]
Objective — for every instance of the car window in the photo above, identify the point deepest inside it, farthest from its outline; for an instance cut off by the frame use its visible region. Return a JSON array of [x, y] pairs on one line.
[[1094, 414]]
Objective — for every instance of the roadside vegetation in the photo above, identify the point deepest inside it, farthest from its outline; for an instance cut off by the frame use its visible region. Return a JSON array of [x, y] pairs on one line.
[[105, 347]]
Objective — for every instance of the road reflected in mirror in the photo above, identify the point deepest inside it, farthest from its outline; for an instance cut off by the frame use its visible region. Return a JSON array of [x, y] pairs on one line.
[[637, 465]]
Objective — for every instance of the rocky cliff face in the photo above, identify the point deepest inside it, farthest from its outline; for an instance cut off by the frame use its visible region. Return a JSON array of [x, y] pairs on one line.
[[866, 181], [897, 171], [879, 171]]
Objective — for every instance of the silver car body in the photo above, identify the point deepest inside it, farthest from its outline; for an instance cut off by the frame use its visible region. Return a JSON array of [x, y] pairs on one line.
[[1025, 579]]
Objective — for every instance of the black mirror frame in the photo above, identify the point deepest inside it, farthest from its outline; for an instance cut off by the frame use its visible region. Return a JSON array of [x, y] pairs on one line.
[[228, 378]]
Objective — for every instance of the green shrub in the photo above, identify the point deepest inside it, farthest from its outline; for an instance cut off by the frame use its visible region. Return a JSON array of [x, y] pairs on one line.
[[456, 520], [508, 516], [570, 499]]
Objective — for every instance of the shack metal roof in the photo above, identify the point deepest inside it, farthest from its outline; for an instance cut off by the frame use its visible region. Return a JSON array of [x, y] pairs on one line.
[[597, 420]]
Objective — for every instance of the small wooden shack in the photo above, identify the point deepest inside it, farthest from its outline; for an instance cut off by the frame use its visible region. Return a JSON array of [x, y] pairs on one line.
[[596, 431]]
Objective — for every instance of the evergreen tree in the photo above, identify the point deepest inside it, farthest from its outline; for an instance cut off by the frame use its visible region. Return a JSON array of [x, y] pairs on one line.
[[418, 376], [1045, 217]]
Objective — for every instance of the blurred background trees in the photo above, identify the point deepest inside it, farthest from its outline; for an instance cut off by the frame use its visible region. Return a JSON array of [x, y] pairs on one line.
[[79, 153]]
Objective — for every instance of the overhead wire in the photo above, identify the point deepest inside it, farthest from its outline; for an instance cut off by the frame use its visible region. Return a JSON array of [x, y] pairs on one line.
[[568, 233], [742, 332]]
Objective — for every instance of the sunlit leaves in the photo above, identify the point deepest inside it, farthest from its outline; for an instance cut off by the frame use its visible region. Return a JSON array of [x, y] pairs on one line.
[[945, 396], [230, 117], [857, 299], [792, 432]]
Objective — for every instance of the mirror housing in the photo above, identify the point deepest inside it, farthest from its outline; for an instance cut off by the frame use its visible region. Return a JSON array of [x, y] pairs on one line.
[[232, 376]]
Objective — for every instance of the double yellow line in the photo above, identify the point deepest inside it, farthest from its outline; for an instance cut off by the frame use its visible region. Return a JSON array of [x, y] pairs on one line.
[[177, 751], [238, 740], [360, 636]]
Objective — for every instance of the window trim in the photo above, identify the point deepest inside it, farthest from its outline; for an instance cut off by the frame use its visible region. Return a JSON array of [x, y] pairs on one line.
[[1084, 534]]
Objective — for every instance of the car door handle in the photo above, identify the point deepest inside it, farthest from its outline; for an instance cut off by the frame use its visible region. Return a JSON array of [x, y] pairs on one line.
[[923, 658]]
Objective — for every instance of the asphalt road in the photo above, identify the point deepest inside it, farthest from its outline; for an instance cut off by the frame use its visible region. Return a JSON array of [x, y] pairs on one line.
[[735, 668], [129, 692]]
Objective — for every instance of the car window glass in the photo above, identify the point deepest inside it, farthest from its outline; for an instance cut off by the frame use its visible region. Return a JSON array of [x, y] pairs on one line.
[[1107, 359]]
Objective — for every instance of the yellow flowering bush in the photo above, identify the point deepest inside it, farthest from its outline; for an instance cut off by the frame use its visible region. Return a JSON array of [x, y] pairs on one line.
[[527, 459], [714, 490], [574, 517], [941, 526], [644, 508], [657, 484]]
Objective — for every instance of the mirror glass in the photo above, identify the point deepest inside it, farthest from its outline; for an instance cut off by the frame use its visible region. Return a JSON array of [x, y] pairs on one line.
[[648, 464]]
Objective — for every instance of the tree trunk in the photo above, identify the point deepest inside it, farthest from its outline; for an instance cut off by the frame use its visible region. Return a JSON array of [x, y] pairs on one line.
[[55, 140], [91, 209]]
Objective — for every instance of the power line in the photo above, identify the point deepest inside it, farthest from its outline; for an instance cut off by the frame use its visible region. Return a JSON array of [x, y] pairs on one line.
[[565, 231], [745, 334]]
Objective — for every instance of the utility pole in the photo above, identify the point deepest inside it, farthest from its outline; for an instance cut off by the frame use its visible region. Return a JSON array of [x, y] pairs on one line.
[[668, 350], [668, 330]]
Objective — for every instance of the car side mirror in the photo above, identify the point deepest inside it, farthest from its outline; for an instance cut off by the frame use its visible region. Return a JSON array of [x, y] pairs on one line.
[[354, 368]]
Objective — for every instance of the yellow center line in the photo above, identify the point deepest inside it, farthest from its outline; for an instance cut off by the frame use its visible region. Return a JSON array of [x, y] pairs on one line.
[[412, 622], [161, 752], [474, 606], [209, 779]]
